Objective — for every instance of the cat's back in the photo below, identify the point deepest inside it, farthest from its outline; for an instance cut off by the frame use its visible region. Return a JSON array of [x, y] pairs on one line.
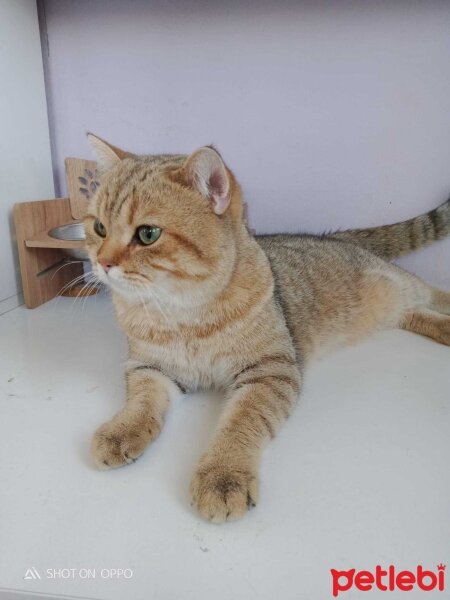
[[312, 255], [319, 283]]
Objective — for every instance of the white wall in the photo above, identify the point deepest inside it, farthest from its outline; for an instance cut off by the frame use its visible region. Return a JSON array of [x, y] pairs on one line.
[[332, 113], [25, 164]]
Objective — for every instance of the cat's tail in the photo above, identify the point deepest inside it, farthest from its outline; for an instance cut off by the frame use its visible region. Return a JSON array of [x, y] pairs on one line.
[[392, 241]]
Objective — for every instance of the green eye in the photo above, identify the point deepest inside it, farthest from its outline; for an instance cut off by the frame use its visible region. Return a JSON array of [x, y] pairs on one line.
[[148, 234], [99, 228]]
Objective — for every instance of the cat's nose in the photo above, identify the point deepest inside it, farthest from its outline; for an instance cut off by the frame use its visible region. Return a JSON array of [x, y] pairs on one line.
[[107, 264]]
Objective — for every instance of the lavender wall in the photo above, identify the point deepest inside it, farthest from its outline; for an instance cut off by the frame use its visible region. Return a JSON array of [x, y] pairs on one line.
[[332, 114]]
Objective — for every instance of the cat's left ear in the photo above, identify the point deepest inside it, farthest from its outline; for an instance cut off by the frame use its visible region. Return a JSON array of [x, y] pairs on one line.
[[206, 171], [107, 155]]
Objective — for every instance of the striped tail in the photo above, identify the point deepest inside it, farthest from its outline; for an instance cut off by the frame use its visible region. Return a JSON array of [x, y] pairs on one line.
[[392, 241]]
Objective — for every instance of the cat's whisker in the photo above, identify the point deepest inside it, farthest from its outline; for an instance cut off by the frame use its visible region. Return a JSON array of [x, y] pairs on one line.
[[154, 300], [83, 294], [66, 263], [88, 283], [158, 305], [72, 282], [159, 288], [144, 306], [163, 292], [91, 285]]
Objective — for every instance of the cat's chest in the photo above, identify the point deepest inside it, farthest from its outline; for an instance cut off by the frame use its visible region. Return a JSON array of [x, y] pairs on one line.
[[195, 364]]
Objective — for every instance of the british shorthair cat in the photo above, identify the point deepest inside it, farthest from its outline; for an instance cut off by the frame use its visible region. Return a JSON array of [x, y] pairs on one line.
[[205, 304]]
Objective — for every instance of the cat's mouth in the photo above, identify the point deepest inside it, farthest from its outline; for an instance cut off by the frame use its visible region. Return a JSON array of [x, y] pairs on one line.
[[122, 282]]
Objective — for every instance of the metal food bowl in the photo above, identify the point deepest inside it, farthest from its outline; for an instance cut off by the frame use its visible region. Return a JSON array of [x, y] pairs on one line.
[[71, 232]]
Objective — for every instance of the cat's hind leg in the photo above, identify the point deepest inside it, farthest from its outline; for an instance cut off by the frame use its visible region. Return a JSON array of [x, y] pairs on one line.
[[429, 323], [440, 301], [414, 305], [426, 310]]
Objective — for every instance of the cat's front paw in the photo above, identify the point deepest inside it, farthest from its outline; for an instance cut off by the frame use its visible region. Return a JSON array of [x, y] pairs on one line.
[[223, 491], [116, 444]]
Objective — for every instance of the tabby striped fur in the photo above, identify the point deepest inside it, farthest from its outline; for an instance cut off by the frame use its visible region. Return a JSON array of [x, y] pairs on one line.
[[392, 241]]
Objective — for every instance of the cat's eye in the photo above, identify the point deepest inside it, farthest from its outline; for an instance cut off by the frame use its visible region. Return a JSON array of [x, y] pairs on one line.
[[148, 234], [99, 228]]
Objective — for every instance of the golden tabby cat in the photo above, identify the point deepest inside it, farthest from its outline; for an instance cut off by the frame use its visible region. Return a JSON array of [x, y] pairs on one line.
[[205, 304]]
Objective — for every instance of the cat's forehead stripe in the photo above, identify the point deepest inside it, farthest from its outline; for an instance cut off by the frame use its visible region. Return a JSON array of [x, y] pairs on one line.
[[132, 207], [122, 187]]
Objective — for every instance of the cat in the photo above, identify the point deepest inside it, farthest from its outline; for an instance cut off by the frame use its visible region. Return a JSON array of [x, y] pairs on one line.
[[205, 304]]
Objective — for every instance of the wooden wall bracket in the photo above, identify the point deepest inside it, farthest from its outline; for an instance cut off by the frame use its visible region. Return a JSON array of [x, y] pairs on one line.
[[42, 267], [45, 268]]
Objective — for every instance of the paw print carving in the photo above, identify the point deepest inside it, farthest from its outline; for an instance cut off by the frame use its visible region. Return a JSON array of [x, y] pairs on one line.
[[89, 182]]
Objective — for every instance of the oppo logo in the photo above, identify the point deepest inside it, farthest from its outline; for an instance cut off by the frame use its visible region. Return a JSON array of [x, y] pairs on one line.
[[388, 580]]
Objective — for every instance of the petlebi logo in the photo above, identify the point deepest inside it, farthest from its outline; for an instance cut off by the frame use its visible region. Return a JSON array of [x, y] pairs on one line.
[[388, 580]]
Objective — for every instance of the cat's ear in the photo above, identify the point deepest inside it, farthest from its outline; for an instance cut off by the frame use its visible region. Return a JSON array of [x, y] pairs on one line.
[[206, 171], [106, 154]]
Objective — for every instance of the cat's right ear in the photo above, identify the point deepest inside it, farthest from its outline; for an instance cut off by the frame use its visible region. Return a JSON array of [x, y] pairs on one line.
[[205, 171], [106, 154]]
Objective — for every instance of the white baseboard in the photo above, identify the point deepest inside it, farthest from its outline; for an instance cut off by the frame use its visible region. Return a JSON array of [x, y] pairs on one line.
[[9, 303]]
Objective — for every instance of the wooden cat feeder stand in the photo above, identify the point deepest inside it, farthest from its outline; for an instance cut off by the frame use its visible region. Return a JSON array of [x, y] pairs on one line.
[[48, 263]]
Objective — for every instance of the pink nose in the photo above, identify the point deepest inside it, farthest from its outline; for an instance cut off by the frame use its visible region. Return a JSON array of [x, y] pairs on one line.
[[106, 264]]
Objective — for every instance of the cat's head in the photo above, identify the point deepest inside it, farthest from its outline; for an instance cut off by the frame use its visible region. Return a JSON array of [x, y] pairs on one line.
[[163, 226]]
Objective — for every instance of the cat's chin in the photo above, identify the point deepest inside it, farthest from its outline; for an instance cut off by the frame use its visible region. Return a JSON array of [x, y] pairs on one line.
[[126, 290], [117, 284]]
